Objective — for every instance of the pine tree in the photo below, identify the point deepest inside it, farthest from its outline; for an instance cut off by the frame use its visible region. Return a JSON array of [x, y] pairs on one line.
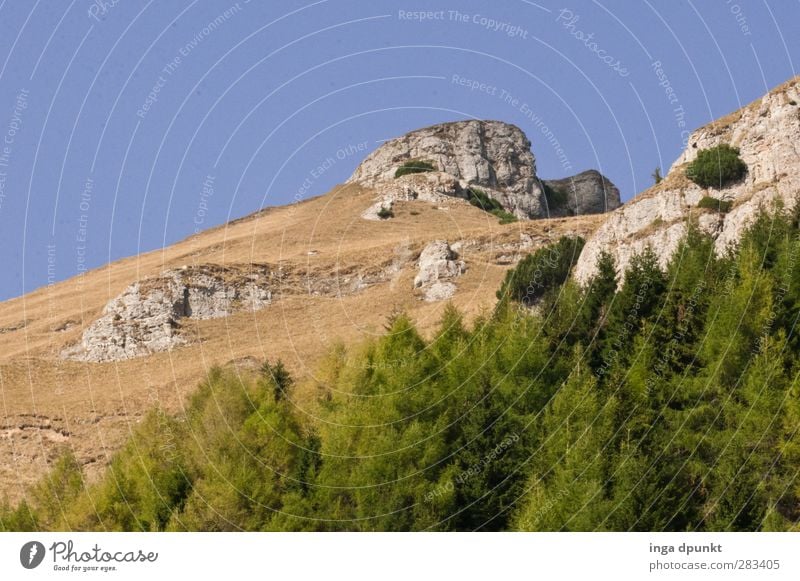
[[567, 490]]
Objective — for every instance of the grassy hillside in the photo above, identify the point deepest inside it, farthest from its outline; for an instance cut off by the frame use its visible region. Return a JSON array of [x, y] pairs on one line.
[[670, 403], [49, 402]]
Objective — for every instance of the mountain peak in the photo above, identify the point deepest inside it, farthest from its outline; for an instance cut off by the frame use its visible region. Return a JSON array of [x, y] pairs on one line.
[[493, 156]]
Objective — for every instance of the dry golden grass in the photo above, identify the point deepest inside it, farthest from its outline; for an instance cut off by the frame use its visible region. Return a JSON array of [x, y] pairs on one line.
[[723, 124], [48, 403]]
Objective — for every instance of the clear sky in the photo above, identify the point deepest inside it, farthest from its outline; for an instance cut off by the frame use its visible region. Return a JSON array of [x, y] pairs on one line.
[[129, 124]]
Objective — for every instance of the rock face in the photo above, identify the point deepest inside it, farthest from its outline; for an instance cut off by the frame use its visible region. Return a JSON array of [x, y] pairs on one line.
[[146, 317], [490, 155], [434, 187], [767, 133], [438, 265], [585, 193], [487, 153]]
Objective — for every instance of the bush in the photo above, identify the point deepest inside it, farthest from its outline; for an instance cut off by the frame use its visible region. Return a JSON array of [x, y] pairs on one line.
[[385, 213], [504, 216], [481, 199], [709, 203], [716, 167], [537, 273], [414, 166]]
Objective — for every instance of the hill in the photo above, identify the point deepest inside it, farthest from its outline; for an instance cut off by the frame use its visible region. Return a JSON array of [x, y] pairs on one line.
[[83, 360]]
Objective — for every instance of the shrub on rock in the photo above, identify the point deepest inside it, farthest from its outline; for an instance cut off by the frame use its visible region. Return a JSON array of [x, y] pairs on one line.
[[414, 166], [717, 167]]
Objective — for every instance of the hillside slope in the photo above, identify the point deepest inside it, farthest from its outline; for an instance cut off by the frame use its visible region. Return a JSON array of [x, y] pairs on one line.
[[345, 276]]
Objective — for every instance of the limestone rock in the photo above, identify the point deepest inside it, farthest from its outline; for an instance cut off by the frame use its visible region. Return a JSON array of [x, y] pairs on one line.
[[438, 265], [766, 132], [588, 192], [440, 291], [436, 187], [487, 154], [490, 155], [437, 261], [146, 317]]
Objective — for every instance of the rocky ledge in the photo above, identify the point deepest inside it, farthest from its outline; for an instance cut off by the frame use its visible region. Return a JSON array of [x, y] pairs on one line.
[[146, 317]]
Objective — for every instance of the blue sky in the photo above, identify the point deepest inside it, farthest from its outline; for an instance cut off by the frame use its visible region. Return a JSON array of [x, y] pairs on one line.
[[128, 125]]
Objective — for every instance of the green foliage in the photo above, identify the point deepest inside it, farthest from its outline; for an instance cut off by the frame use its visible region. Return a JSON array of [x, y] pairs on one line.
[[540, 272], [668, 400], [385, 213], [716, 167], [481, 199], [48, 502], [656, 175], [504, 216], [279, 377], [566, 491], [709, 203], [414, 166]]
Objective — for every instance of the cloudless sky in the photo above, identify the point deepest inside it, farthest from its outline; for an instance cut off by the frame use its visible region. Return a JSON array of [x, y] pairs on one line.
[[251, 97]]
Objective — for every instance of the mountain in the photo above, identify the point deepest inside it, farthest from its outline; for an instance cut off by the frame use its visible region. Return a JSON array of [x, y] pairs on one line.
[[82, 361], [663, 400], [434, 217]]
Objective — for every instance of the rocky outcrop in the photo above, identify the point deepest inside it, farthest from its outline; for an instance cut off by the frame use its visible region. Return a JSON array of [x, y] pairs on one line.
[[436, 187], [438, 265], [767, 133], [149, 315], [486, 153], [146, 317], [588, 192], [490, 155]]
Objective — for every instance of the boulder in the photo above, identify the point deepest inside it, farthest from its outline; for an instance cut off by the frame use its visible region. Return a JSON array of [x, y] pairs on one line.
[[437, 261]]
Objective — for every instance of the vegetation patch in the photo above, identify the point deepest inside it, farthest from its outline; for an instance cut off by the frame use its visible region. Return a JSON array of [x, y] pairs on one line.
[[709, 203], [716, 167], [385, 213], [481, 199], [504, 216], [540, 272], [414, 166]]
